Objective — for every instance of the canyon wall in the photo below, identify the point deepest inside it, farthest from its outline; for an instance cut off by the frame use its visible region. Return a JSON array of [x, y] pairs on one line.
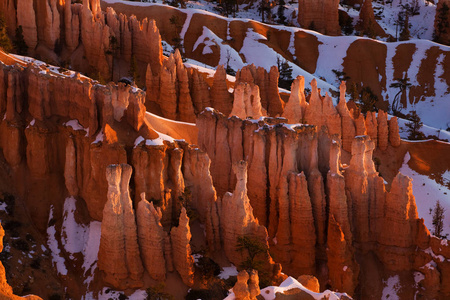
[[319, 214], [321, 16]]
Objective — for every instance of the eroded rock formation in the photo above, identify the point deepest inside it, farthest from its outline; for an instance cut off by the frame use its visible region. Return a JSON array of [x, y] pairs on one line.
[[182, 259], [319, 15], [119, 241]]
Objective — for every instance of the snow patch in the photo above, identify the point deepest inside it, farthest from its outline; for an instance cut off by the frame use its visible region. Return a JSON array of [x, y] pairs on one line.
[[52, 243], [228, 272], [427, 191], [391, 288], [72, 233]]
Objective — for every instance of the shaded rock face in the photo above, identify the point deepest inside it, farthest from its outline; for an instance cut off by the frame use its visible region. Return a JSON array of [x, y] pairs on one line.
[[181, 250], [321, 16], [6, 291], [367, 22], [237, 219], [151, 239], [97, 42]]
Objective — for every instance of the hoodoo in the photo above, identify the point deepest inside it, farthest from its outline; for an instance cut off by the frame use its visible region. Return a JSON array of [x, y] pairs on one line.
[[134, 169]]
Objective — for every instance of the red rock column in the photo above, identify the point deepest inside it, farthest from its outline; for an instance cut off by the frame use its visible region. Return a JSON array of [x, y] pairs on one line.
[[118, 242]]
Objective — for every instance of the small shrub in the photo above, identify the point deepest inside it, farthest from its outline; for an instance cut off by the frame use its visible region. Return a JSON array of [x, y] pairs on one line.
[[55, 296], [36, 263], [11, 225], [208, 267], [21, 245]]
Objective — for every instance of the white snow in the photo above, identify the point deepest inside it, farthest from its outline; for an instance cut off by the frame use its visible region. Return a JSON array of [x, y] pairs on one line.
[[392, 286], [72, 233], [109, 294], [436, 257], [418, 277], [52, 243], [75, 125], [427, 191], [227, 272], [332, 51], [90, 251], [3, 206], [228, 56], [290, 283], [99, 138]]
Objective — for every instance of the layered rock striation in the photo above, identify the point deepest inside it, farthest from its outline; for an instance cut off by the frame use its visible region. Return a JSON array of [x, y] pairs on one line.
[[321, 16]]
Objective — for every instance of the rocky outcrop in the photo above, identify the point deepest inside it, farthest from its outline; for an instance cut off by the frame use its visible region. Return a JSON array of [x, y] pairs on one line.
[[151, 239], [296, 106], [221, 99], [309, 282], [302, 228], [343, 268], [247, 102], [247, 286], [237, 220], [321, 16], [182, 259], [367, 23], [6, 291], [268, 87], [399, 225], [383, 130], [26, 17], [348, 126], [394, 136], [119, 242]]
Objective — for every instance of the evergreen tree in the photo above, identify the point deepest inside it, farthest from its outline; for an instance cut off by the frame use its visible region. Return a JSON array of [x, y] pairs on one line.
[[264, 10], [353, 91], [414, 126], [405, 34], [442, 24], [367, 100], [177, 41], [5, 42], [280, 12], [285, 70], [253, 247], [438, 220], [19, 43], [402, 84]]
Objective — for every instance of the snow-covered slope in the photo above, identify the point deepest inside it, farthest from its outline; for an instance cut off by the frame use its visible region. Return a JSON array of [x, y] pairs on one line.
[[422, 61], [427, 192]]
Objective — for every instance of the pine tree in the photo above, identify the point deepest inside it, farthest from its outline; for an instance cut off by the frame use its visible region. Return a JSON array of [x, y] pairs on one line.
[[405, 34], [367, 100], [177, 41], [353, 91], [5, 42], [442, 24], [438, 219], [285, 70], [402, 84], [280, 12], [414, 126]]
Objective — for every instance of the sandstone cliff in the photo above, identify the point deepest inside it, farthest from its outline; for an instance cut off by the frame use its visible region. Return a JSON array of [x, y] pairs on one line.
[[319, 15], [119, 241]]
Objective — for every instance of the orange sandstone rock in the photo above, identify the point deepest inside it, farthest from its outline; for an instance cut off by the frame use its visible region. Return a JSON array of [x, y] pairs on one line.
[[319, 15], [151, 239], [119, 241], [181, 250]]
